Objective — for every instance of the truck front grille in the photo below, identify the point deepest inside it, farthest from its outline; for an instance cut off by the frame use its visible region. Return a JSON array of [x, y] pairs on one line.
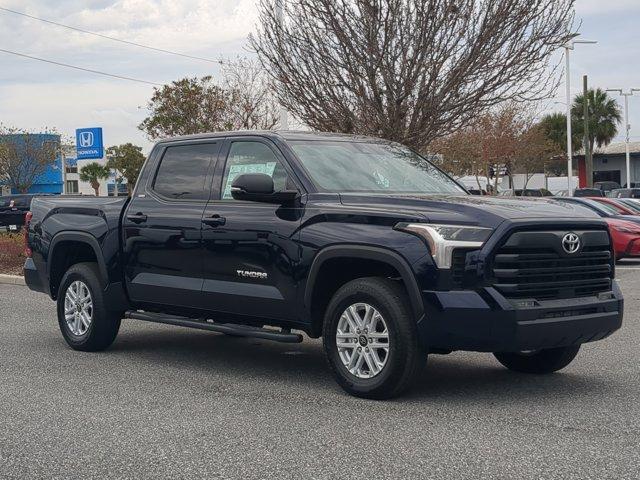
[[533, 264]]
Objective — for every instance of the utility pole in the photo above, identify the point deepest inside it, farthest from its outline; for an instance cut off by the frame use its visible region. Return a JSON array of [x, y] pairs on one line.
[[627, 127], [588, 158], [570, 45], [279, 8]]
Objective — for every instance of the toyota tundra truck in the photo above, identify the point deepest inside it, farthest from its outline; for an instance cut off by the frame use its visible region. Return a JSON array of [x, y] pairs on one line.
[[357, 240]]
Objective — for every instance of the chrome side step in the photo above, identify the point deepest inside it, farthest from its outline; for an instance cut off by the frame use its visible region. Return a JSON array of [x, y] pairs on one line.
[[284, 335]]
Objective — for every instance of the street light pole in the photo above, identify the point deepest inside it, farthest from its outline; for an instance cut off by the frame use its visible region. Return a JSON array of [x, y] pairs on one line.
[[279, 8], [569, 142], [567, 48], [627, 127]]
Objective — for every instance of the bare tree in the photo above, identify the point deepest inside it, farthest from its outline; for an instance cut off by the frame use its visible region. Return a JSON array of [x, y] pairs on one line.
[[409, 70], [25, 156], [462, 153], [506, 137], [252, 102]]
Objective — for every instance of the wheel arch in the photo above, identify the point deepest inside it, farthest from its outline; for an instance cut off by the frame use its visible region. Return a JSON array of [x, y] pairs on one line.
[[89, 251], [376, 255]]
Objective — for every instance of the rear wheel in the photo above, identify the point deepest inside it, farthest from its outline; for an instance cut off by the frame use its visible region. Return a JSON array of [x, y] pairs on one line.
[[85, 322], [370, 339], [539, 361]]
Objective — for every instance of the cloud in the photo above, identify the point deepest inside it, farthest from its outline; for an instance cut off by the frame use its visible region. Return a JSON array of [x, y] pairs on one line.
[[117, 107], [601, 7], [34, 94]]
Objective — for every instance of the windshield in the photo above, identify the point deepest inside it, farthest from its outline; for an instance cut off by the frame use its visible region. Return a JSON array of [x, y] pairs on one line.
[[337, 166], [631, 204], [602, 207], [612, 207]]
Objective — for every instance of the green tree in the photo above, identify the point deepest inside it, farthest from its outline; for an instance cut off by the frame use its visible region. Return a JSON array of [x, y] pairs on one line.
[[93, 173], [604, 117], [128, 160], [554, 126], [242, 100]]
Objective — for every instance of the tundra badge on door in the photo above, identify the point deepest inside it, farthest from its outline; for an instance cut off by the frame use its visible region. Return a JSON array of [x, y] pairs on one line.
[[251, 274]]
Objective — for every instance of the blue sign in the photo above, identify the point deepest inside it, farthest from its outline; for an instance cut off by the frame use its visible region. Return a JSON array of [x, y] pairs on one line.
[[89, 143]]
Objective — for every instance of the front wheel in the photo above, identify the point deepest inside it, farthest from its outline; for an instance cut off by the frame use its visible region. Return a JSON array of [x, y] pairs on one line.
[[370, 339], [85, 322], [539, 361]]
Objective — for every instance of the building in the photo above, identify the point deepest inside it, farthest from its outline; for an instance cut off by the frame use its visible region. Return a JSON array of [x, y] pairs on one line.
[[609, 164], [56, 181]]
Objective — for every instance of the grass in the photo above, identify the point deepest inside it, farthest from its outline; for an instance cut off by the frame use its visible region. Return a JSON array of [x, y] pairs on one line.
[[11, 253]]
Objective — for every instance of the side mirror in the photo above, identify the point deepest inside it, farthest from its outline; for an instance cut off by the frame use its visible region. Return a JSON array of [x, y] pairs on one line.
[[258, 187]]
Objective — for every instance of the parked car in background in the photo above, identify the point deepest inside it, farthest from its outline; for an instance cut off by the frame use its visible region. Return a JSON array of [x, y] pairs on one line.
[[620, 207], [606, 187], [632, 203], [588, 192], [625, 236], [13, 209], [625, 193], [623, 227], [527, 192]]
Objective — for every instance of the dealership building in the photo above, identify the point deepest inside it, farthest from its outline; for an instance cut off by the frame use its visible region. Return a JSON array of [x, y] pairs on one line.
[[609, 164], [49, 181], [56, 180]]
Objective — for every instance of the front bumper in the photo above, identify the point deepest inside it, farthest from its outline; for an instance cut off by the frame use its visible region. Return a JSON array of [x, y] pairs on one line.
[[486, 321]]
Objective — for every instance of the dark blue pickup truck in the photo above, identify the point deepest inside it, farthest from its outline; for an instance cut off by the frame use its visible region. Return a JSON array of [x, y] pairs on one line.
[[357, 240]]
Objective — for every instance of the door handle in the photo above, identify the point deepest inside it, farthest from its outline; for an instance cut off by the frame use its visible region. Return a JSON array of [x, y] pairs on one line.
[[137, 218], [214, 220]]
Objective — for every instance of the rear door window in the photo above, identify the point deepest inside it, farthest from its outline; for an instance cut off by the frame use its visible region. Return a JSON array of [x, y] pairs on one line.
[[184, 171]]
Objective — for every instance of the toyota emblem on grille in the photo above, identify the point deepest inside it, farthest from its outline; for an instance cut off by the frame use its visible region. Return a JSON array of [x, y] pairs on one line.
[[571, 242]]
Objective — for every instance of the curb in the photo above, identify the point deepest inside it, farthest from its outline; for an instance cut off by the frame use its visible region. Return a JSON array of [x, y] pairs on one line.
[[11, 280]]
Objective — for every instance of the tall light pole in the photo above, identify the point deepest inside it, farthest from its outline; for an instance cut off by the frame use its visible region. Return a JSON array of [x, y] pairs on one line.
[[567, 48], [627, 127], [279, 8]]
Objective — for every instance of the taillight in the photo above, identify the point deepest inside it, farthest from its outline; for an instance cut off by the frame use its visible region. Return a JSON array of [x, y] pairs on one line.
[[27, 221]]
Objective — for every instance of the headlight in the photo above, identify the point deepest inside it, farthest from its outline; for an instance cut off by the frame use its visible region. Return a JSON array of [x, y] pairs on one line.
[[443, 239]]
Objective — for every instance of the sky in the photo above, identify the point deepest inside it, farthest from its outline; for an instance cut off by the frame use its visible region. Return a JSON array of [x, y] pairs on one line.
[[35, 95]]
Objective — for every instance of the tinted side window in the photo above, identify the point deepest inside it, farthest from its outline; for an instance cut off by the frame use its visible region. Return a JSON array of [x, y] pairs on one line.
[[252, 157], [182, 174]]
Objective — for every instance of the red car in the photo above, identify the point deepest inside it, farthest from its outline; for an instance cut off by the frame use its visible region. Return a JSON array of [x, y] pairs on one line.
[[626, 237], [620, 207]]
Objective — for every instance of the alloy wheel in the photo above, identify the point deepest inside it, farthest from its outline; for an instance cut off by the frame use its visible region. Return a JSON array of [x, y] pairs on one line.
[[362, 339], [78, 308]]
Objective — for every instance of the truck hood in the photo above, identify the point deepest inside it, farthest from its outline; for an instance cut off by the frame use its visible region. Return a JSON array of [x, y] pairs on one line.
[[469, 209]]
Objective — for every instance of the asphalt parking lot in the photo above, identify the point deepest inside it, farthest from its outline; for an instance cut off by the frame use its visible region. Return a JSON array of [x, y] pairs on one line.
[[166, 402]]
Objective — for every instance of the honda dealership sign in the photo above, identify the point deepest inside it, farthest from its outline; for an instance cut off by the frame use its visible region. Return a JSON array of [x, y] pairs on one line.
[[89, 143]]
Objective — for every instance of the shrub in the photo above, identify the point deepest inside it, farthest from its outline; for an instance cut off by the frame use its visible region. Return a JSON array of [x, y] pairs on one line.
[[11, 253]]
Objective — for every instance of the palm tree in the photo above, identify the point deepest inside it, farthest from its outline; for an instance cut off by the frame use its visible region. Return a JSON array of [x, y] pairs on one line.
[[604, 116], [93, 173], [554, 126]]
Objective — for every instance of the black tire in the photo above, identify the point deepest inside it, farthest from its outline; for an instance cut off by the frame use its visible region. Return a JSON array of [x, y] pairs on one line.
[[406, 357], [104, 325], [543, 361]]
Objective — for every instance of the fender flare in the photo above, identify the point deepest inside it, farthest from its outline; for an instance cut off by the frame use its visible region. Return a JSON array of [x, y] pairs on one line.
[[81, 237], [368, 253]]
